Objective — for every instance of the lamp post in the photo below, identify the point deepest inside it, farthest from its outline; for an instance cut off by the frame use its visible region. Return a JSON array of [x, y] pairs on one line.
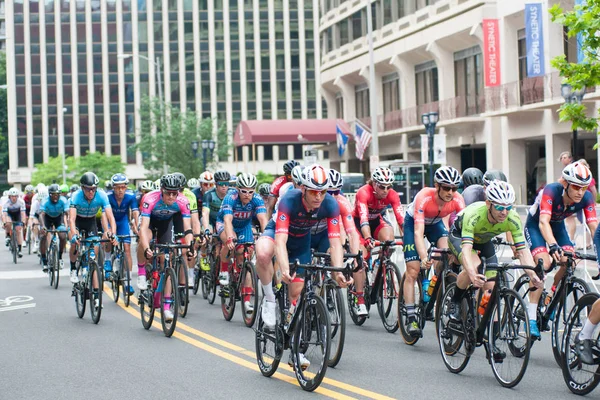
[[430, 120], [207, 145], [572, 96]]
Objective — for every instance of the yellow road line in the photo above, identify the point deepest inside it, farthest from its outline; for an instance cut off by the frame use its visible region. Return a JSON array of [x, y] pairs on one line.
[[251, 354]]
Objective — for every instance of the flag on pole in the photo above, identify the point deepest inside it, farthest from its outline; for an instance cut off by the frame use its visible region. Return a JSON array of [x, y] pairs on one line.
[[342, 138], [363, 137]]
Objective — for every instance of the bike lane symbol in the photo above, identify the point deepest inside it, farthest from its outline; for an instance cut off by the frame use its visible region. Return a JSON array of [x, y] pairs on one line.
[[11, 303]]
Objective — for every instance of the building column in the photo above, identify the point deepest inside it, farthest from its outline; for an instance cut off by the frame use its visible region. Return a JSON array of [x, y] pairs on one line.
[[516, 175], [492, 133], [330, 100], [444, 60], [546, 127], [561, 142], [349, 98], [406, 72], [364, 72]]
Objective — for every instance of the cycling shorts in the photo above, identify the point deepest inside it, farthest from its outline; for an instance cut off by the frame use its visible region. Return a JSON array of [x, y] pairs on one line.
[[375, 224], [15, 216], [162, 230], [54, 223], [123, 229], [486, 250], [320, 242], [178, 223], [87, 225], [244, 234], [433, 233], [536, 241], [298, 248]]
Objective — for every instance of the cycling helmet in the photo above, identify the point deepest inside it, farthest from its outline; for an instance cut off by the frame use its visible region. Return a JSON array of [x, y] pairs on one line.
[[13, 192], [118, 179], [193, 183], [472, 176], [5, 193], [147, 186], [577, 174], [492, 175], [264, 189], [108, 185], [289, 166], [246, 180], [157, 184], [447, 176], [54, 189], [383, 175], [297, 174], [315, 177], [88, 179], [207, 177], [39, 187], [170, 182], [222, 176], [500, 192], [29, 189], [64, 188], [74, 188], [42, 194], [181, 178], [335, 180]]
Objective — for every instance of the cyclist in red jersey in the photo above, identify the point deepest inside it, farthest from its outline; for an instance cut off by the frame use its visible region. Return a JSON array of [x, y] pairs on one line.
[[27, 197], [424, 218], [278, 183]]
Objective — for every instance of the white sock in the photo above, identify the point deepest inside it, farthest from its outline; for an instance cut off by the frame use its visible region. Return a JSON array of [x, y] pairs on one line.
[[588, 329], [268, 291], [532, 311]]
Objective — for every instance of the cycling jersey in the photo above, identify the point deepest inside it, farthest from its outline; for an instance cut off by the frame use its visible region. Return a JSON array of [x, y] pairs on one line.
[[27, 200], [368, 208], [213, 203], [294, 220], [198, 193], [473, 193], [13, 208], [345, 216], [88, 209], [35, 207], [286, 187], [54, 210], [192, 200], [242, 214], [277, 184], [155, 208], [121, 211], [425, 210], [550, 202]]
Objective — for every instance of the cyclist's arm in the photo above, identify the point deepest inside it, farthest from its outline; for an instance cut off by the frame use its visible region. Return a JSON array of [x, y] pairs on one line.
[[110, 219], [144, 241], [397, 209], [271, 205], [195, 223], [420, 240], [281, 253], [363, 213], [546, 229], [205, 218], [228, 225], [187, 228], [72, 217], [262, 220]]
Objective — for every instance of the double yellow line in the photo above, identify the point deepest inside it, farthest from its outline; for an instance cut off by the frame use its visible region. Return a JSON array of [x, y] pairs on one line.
[[291, 379]]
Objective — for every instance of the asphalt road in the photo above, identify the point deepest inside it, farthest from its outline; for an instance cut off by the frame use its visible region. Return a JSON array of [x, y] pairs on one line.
[[47, 352]]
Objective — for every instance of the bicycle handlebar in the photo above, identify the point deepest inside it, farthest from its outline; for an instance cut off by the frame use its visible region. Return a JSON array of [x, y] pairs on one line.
[[499, 241], [580, 256], [347, 270]]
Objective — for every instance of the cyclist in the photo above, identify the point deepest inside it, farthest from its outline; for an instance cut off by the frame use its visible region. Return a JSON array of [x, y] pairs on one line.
[[193, 183], [471, 176], [125, 209], [194, 220], [108, 186], [33, 220], [64, 190], [287, 186], [424, 218], [263, 191], [372, 200], [474, 229], [584, 341], [13, 210], [207, 182], [277, 183], [545, 228], [27, 197], [476, 191], [53, 214], [211, 202], [74, 187], [159, 209], [234, 222], [84, 205], [145, 187]]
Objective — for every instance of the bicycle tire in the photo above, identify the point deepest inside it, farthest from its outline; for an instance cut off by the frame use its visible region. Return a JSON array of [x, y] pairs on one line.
[[197, 276], [337, 321], [249, 315], [212, 280], [268, 346], [55, 266], [146, 302], [402, 314], [183, 291], [314, 315], [573, 293], [170, 279], [510, 330], [80, 291], [95, 294], [387, 299], [450, 279], [450, 340], [29, 241], [352, 301], [228, 294], [13, 240], [580, 378], [50, 267], [115, 279], [125, 275]]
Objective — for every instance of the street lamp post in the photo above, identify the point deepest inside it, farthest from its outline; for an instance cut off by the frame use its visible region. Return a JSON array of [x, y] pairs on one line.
[[430, 120], [572, 96], [207, 145]]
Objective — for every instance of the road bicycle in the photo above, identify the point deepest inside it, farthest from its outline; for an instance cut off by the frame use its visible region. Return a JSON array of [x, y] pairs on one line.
[[209, 279], [52, 257], [120, 276]]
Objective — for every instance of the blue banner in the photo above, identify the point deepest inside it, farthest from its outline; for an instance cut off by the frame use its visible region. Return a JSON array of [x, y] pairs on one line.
[[580, 54], [534, 38], [342, 139]]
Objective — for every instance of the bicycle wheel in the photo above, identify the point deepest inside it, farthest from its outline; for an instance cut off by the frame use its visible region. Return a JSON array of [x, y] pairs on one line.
[[115, 278], [441, 291], [55, 265], [95, 294], [269, 346], [228, 294], [13, 245], [402, 313], [576, 291], [312, 339], [580, 378], [451, 336], [125, 279], [334, 302], [146, 302], [212, 280], [506, 333], [353, 302], [170, 281], [80, 293], [387, 300], [250, 294], [50, 260], [28, 241], [197, 276], [183, 290]]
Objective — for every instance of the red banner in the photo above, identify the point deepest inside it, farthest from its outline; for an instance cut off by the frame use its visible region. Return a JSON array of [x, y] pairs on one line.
[[491, 52]]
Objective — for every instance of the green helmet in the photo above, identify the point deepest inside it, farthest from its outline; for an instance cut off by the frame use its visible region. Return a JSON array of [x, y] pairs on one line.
[[64, 188]]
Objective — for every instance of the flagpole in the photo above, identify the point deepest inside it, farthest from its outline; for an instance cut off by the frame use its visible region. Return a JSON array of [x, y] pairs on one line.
[[372, 86]]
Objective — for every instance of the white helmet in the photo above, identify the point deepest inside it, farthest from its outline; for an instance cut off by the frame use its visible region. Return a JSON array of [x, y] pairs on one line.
[[13, 192], [193, 183], [246, 180], [335, 180], [42, 194], [315, 177], [39, 187], [499, 192], [383, 175], [207, 177], [577, 174], [447, 176], [147, 185], [297, 174]]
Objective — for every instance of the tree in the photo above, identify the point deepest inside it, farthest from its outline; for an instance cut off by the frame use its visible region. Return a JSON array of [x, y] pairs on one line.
[[103, 166], [263, 177], [166, 136], [584, 22]]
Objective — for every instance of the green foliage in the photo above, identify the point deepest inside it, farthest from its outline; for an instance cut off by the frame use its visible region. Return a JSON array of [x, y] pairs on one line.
[[103, 166], [584, 20], [166, 137], [263, 177]]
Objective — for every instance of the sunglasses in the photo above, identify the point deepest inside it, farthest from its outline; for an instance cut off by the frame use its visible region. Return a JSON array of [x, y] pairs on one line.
[[578, 187], [334, 192], [172, 193], [244, 191], [449, 188], [384, 187], [208, 184], [502, 208], [317, 192], [90, 188], [222, 183]]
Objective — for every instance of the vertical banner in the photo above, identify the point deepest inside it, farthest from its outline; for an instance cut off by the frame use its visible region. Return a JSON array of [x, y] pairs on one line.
[[491, 52], [534, 39], [439, 149], [424, 149], [580, 37]]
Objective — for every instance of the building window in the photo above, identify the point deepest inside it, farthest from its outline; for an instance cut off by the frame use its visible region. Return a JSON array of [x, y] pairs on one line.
[[426, 82], [468, 80], [391, 92], [361, 96], [283, 153], [298, 153], [344, 34], [268, 152], [339, 105], [356, 26]]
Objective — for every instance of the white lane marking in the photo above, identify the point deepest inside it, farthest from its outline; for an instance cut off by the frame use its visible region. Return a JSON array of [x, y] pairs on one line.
[[30, 274], [13, 308], [15, 299]]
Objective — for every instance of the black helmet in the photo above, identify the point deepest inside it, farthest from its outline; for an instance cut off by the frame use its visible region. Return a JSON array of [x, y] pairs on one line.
[[264, 189], [74, 187], [492, 175], [108, 185], [472, 176], [222, 176], [289, 166], [54, 189], [170, 182], [89, 179], [181, 177]]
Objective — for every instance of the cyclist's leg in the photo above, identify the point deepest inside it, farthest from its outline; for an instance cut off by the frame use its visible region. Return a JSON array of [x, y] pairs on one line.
[[562, 238], [412, 265], [537, 244], [298, 249], [265, 250], [141, 256], [45, 241]]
